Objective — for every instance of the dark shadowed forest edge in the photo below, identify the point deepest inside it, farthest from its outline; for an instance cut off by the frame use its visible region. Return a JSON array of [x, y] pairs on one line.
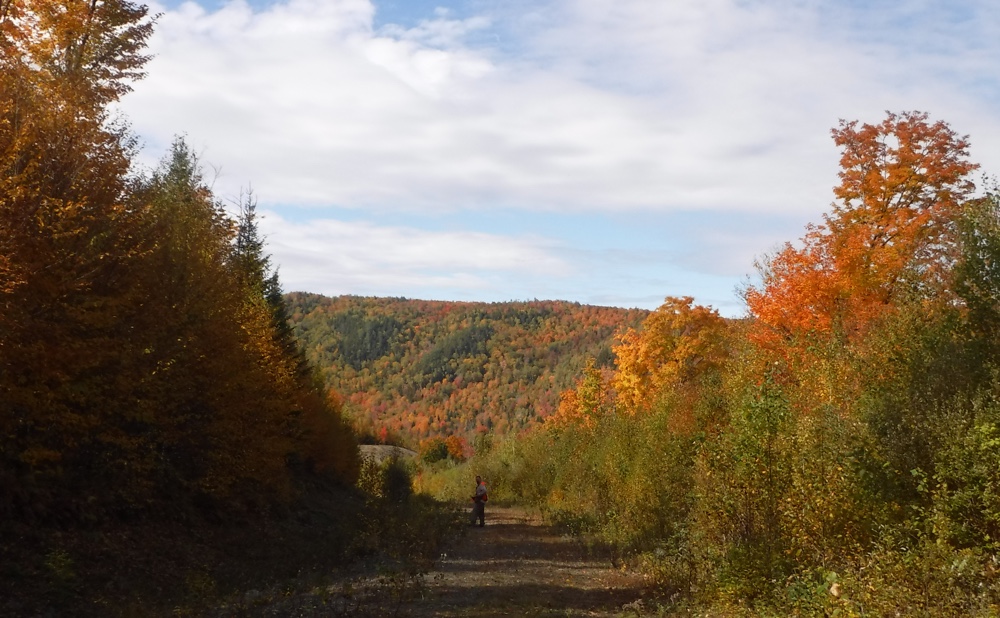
[[164, 443], [176, 434]]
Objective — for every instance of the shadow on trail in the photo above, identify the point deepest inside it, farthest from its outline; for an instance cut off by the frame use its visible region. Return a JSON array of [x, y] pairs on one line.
[[516, 566], [510, 540], [460, 566], [526, 599]]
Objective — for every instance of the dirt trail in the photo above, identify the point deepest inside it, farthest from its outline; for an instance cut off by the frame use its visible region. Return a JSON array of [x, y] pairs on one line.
[[516, 566]]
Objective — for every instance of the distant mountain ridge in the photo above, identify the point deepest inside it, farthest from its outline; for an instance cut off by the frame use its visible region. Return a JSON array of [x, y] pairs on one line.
[[418, 368]]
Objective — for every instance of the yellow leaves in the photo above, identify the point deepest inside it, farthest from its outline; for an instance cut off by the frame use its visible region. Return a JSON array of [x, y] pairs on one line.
[[79, 50], [632, 379], [677, 345], [678, 342]]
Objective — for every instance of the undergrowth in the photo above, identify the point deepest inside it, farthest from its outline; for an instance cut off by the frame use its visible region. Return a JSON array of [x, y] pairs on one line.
[[341, 551]]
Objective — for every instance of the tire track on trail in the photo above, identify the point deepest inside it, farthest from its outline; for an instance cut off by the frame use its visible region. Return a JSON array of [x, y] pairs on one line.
[[517, 566]]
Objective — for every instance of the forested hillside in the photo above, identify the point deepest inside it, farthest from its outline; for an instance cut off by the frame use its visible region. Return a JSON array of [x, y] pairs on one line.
[[173, 436], [419, 368]]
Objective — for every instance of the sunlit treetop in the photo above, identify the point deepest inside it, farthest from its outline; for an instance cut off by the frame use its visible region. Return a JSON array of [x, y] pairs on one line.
[[891, 232], [92, 48]]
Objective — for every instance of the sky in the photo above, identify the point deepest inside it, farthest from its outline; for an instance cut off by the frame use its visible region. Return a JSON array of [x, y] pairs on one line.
[[609, 152]]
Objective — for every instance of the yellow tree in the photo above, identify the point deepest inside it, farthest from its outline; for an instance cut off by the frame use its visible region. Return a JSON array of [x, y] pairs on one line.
[[677, 343], [62, 164]]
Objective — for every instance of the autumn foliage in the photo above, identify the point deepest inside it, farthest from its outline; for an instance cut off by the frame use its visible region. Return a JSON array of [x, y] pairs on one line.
[[144, 361], [410, 370], [678, 343], [590, 399], [834, 452], [673, 352], [891, 233]]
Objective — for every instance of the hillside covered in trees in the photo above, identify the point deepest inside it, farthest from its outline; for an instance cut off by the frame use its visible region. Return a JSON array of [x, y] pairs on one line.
[[414, 368]]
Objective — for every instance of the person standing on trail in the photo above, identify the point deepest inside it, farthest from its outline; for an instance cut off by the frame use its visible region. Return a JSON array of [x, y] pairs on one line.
[[479, 502]]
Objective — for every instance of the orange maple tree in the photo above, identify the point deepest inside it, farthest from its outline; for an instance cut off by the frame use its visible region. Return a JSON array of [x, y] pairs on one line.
[[889, 234], [457, 447], [583, 405]]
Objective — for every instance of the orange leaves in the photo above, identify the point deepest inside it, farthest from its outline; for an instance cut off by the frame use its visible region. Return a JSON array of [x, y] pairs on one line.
[[902, 184], [902, 163], [569, 412], [458, 447], [799, 294], [582, 405], [453, 447]]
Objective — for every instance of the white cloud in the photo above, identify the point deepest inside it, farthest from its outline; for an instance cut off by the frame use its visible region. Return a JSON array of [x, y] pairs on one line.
[[572, 106], [338, 257], [614, 104]]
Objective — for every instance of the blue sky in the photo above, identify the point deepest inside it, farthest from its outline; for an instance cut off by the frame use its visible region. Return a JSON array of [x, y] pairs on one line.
[[609, 152]]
